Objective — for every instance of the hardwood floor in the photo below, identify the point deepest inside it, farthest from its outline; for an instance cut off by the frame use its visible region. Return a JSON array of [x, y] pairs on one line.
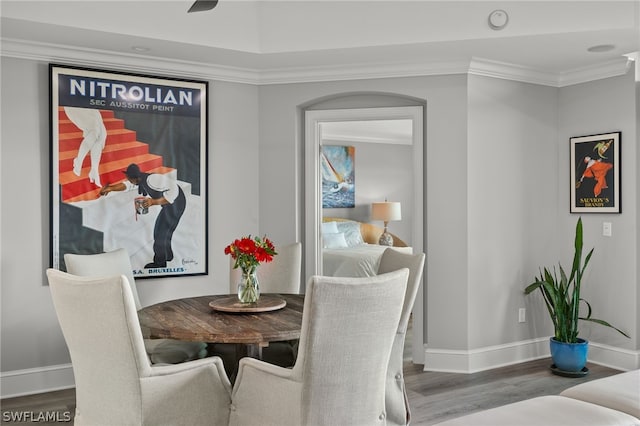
[[433, 396], [50, 408]]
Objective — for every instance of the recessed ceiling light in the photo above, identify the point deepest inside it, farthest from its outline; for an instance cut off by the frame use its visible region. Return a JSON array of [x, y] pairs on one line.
[[140, 48], [601, 48]]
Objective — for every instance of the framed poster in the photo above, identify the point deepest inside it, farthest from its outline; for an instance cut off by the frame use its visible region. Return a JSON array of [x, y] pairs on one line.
[[129, 169], [337, 164], [595, 173]]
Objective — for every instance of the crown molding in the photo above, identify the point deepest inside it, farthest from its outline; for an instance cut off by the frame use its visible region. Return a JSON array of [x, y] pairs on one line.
[[501, 70], [505, 71], [361, 72], [95, 58], [609, 69]]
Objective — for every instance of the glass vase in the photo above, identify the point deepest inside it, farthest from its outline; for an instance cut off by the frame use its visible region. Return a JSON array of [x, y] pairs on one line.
[[249, 287]]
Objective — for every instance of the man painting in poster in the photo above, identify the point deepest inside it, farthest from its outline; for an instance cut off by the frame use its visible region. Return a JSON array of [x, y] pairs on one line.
[[158, 190]]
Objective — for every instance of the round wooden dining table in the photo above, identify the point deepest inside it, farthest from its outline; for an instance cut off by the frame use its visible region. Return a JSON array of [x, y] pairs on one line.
[[194, 319]]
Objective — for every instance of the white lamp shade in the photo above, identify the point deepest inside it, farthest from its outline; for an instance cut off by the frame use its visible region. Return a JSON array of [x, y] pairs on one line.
[[386, 211]]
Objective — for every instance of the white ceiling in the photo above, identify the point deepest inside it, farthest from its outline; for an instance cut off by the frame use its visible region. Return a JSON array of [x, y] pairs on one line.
[[310, 36]]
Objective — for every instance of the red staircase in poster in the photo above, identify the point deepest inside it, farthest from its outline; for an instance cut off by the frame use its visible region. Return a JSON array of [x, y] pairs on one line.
[[121, 149]]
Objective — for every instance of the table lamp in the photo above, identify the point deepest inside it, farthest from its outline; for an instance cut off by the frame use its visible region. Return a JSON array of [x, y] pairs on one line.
[[386, 212]]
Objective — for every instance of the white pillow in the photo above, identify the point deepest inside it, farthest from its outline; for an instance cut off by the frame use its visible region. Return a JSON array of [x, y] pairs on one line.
[[334, 240], [351, 232], [330, 227]]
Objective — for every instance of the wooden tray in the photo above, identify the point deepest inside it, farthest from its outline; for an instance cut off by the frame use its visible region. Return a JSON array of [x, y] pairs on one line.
[[232, 304]]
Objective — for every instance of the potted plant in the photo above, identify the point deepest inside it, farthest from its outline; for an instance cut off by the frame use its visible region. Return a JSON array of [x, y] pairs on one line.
[[562, 297]]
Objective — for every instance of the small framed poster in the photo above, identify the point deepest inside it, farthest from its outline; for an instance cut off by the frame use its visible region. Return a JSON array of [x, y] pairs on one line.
[[595, 173]]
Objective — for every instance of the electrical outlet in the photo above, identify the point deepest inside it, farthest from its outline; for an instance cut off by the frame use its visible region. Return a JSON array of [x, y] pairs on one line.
[[522, 315]]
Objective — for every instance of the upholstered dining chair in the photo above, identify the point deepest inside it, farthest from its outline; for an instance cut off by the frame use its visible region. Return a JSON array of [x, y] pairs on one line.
[[348, 328], [281, 275], [160, 351], [398, 412], [115, 382]]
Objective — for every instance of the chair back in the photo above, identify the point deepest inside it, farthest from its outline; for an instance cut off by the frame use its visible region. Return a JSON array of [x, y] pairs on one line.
[[100, 326], [392, 260], [281, 275], [161, 351], [398, 412], [348, 327], [103, 264]]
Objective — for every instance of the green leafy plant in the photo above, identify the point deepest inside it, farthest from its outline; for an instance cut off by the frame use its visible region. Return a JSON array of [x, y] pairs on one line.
[[562, 294]]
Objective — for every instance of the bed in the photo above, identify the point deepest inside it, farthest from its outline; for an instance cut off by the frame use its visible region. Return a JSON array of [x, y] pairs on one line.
[[350, 248]]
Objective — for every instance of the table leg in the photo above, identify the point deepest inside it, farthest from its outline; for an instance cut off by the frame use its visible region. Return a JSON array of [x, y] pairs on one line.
[[244, 350], [254, 351]]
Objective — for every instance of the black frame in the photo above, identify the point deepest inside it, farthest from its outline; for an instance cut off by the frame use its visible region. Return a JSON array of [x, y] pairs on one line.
[[595, 173], [159, 123]]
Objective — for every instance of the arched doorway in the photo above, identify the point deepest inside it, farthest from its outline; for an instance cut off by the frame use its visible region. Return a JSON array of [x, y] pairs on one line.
[[314, 120]]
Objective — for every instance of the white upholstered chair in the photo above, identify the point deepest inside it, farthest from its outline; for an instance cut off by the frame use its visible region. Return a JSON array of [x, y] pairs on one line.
[[160, 351], [281, 275], [398, 412], [115, 382], [348, 328]]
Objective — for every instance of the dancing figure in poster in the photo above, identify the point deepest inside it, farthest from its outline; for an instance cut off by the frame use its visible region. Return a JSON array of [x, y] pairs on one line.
[[596, 169], [157, 190]]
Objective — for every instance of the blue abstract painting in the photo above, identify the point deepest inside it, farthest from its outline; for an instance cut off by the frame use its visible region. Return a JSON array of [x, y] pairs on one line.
[[337, 164]]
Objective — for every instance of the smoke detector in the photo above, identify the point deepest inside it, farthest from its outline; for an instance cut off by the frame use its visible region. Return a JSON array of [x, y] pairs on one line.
[[498, 19]]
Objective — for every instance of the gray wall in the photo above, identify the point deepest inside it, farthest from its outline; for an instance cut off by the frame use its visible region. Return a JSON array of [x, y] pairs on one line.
[[445, 171], [496, 194], [496, 205], [31, 337], [512, 166], [612, 283], [636, 225]]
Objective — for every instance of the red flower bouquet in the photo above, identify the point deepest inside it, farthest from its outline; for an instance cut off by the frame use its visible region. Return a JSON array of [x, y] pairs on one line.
[[249, 252]]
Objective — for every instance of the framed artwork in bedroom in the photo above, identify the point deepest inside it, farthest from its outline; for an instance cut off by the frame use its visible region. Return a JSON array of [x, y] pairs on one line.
[[337, 166], [128, 164], [595, 173]]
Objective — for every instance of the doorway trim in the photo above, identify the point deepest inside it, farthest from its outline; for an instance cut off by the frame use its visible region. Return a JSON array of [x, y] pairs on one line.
[[313, 206]]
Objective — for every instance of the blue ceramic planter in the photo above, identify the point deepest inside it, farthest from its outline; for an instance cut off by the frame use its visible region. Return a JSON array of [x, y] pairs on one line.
[[570, 357]]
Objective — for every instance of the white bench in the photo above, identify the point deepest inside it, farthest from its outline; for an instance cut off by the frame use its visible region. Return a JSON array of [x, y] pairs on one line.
[[620, 392], [609, 401]]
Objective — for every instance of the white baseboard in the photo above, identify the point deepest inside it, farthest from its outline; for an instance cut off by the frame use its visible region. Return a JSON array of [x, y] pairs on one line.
[[46, 379], [36, 380], [490, 357], [614, 357], [472, 361]]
